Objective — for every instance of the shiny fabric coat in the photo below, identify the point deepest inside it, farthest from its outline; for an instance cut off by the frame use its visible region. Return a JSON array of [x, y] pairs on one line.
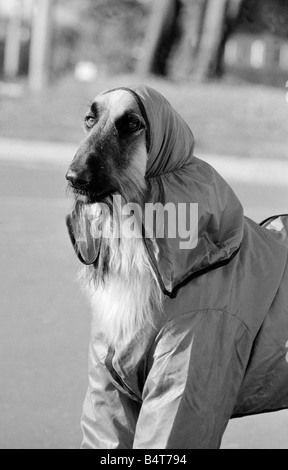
[[220, 349]]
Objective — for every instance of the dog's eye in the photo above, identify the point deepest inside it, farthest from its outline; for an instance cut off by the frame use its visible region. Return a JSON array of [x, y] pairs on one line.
[[129, 123], [90, 121], [133, 125]]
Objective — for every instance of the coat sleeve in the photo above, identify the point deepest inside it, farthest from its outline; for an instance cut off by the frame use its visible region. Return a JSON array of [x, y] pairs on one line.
[[196, 369], [109, 417]]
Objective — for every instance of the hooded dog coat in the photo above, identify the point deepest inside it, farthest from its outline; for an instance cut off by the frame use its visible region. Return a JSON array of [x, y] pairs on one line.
[[220, 348]]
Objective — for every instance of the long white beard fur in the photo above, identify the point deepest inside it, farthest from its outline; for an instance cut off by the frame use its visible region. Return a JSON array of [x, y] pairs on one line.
[[124, 293]]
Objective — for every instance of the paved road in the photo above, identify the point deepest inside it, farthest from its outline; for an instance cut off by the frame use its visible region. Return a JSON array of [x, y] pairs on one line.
[[44, 323], [44, 328]]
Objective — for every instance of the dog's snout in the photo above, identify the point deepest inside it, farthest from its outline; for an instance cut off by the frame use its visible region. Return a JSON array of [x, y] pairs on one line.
[[75, 179]]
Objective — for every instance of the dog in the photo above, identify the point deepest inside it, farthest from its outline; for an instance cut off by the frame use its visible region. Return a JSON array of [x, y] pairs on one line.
[[186, 334]]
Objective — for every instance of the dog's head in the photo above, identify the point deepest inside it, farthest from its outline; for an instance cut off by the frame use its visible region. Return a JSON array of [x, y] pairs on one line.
[[113, 156]]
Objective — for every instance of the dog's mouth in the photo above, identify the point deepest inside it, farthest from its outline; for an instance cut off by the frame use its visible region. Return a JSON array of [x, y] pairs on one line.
[[91, 197]]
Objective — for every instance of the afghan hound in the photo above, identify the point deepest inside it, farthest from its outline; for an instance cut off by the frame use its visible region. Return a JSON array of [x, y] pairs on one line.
[[171, 373]]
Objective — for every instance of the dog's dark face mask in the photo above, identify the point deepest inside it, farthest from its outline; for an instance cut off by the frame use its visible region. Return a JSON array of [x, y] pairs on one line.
[[115, 129]]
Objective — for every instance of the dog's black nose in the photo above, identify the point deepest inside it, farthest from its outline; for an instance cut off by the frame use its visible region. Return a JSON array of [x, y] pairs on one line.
[[75, 179]]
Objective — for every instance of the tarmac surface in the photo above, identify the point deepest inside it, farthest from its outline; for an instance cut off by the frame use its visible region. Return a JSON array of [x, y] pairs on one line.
[[44, 322]]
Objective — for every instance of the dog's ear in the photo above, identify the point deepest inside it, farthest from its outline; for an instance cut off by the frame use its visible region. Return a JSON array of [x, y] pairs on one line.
[[87, 248]]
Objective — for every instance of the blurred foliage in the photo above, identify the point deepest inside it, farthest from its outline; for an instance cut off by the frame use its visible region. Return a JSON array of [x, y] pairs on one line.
[[65, 40], [264, 16], [106, 32]]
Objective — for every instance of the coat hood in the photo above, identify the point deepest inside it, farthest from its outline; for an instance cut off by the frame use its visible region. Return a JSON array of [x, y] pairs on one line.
[[176, 176]]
